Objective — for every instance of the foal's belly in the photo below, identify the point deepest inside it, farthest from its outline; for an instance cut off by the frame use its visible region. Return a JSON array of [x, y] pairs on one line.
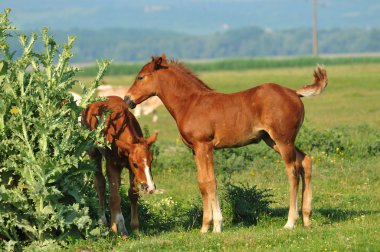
[[236, 137]]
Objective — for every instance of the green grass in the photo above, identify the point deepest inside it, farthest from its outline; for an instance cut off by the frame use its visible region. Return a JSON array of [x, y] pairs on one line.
[[355, 236], [346, 192], [346, 213]]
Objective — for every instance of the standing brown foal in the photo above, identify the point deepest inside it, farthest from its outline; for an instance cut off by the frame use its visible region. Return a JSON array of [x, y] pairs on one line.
[[209, 120], [128, 149]]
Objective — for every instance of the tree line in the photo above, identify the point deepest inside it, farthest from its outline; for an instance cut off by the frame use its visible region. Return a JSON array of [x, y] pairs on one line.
[[138, 45]]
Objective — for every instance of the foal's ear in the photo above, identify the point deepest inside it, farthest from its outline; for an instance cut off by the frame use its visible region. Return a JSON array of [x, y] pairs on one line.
[[152, 138], [160, 62], [124, 146], [163, 57]]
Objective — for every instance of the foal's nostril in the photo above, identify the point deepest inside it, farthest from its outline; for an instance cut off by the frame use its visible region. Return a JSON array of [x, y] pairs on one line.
[[151, 190], [144, 187], [129, 101]]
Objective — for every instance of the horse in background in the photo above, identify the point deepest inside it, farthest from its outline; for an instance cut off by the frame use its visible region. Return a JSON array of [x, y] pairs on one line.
[[208, 120], [128, 149], [148, 107], [77, 97]]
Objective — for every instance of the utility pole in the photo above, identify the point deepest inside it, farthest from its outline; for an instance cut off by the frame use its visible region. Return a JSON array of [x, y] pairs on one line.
[[315, 28]]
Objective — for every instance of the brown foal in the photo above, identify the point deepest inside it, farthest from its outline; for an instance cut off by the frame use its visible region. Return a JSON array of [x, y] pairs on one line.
[[128, 149], [209, 120]]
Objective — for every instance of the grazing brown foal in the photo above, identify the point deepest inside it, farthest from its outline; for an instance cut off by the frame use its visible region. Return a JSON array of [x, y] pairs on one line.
[[209, 120], [128, 149]]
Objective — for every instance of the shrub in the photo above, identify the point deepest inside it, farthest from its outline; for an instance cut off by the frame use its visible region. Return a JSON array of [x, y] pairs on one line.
[[244, 203], [45, 175], [170, 213]]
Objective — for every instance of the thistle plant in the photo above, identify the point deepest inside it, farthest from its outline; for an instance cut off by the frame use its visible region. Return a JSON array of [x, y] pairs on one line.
[[45, 174]]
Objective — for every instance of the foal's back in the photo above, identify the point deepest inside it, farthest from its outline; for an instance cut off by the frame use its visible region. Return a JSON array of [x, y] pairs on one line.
[[120, 124]]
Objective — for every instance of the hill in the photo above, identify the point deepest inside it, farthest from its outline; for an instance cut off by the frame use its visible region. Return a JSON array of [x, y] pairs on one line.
[[123, 45]]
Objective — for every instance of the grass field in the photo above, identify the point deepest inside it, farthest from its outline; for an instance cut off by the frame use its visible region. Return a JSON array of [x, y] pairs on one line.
[[346, 178]]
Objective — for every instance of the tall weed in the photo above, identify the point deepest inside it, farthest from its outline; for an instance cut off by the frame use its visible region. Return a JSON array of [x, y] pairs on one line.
[[45, 175]]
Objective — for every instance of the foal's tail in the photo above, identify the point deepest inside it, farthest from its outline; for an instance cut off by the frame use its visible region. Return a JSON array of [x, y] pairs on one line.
[[320, 83]]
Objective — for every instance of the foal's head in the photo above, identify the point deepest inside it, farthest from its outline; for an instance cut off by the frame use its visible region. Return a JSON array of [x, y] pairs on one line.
[[147, 81], [140, 159]]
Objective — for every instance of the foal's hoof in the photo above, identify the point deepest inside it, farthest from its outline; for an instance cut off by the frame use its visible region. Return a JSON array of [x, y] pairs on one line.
[[217, 229], [289, 226], [308, 226], [204, 229]]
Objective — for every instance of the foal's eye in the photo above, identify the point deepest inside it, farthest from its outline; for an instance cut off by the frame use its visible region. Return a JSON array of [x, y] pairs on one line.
[[135, 165], [140, 77]]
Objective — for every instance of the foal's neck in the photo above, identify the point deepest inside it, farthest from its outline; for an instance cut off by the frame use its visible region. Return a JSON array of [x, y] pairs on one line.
[[179, 90]]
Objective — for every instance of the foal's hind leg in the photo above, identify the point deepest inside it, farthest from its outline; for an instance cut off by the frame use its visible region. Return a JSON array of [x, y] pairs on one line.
[[305, 166], [99, 182], [288, 154]]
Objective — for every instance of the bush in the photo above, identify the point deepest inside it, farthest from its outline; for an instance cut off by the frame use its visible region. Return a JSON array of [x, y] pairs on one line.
[[170, 213], [45, 175], [244, 203]]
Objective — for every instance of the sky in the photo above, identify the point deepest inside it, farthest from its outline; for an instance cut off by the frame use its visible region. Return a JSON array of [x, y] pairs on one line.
[[190, 16]]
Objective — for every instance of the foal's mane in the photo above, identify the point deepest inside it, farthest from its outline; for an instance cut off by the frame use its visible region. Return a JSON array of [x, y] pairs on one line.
[[180, 66]]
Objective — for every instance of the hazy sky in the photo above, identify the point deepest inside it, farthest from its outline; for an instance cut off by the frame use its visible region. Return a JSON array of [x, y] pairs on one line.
[[191, 16]]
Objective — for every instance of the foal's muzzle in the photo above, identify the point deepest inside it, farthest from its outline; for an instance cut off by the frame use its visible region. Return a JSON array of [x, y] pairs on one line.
[[147, 189], [129, 101]]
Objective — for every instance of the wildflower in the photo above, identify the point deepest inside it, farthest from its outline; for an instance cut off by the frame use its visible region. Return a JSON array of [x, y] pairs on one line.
[[15, 110]]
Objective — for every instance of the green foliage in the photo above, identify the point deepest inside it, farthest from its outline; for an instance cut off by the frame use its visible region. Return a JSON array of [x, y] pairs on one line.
[[168, 213], [45, 174], [233, 160], [173, 158], [354, 142], [326, 141], [243, 203]]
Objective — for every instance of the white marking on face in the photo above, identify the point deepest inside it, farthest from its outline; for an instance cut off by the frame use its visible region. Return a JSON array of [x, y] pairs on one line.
[[149, 179]]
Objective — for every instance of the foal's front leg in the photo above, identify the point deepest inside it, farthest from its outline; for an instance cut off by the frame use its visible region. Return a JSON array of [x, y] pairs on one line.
[[207, 185], [133, 195], [117, 219]]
